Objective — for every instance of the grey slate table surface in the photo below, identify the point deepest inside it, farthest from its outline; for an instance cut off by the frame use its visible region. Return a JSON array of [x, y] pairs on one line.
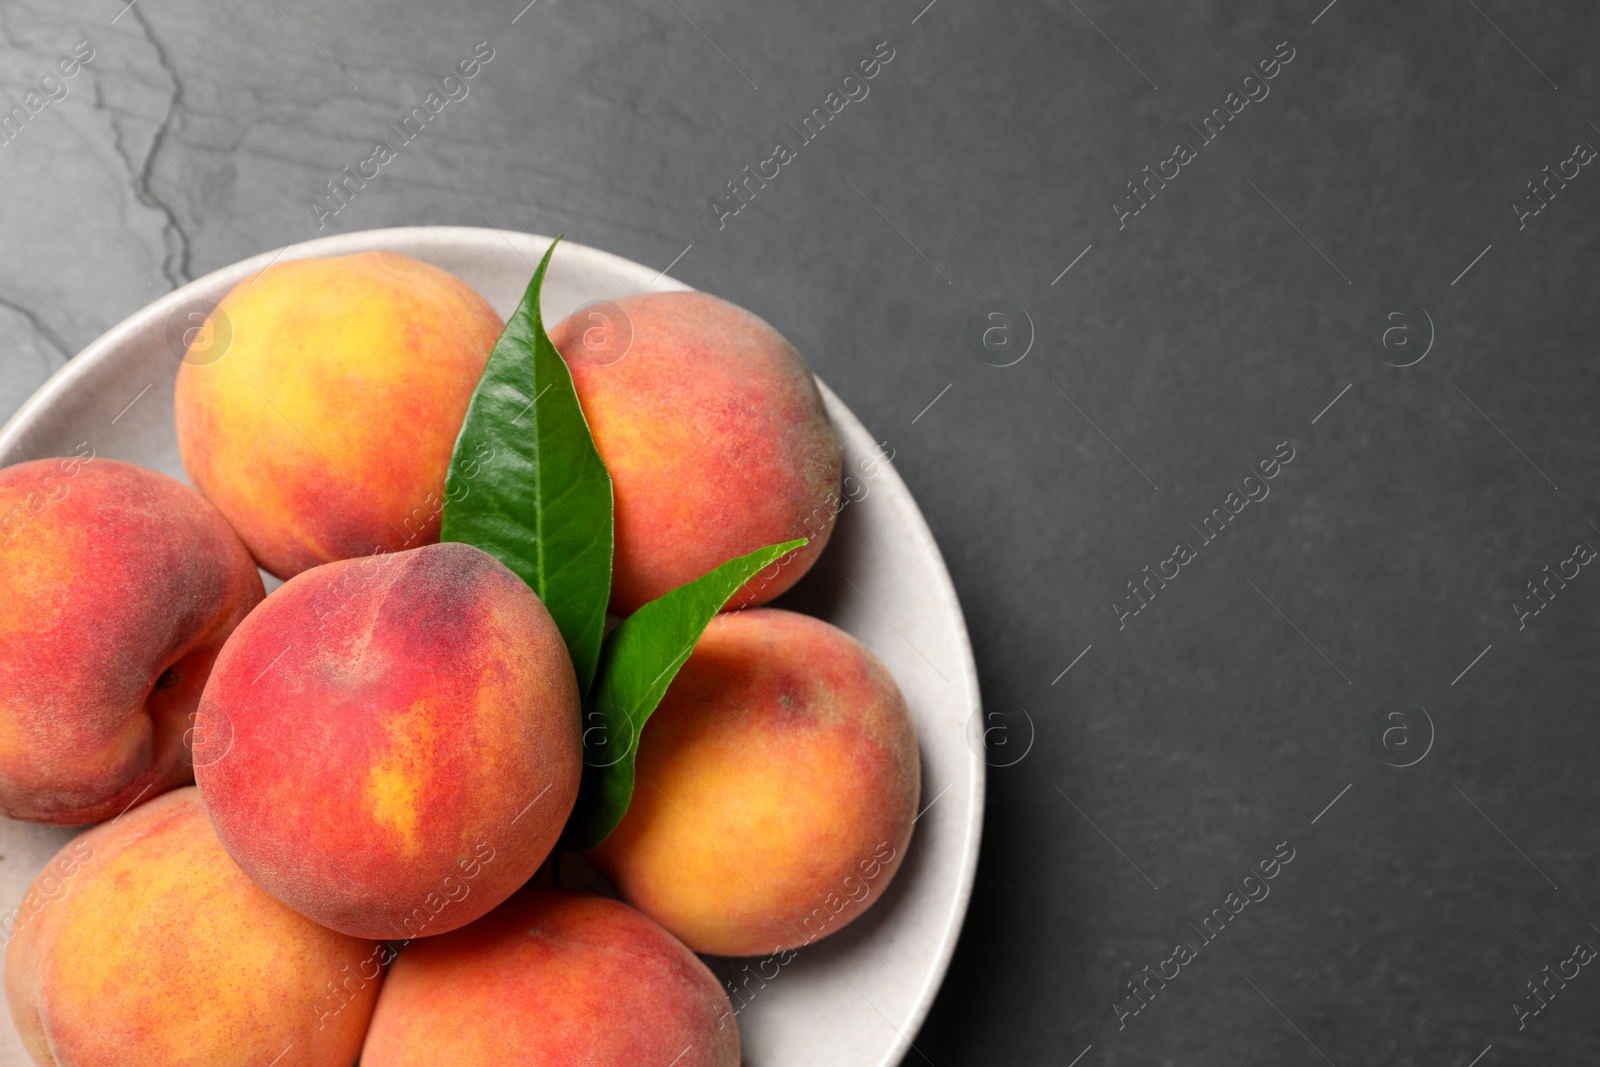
[[1366, 206]]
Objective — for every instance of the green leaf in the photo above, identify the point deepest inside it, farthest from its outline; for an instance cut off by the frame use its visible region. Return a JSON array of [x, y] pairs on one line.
[[527, 485], [639, 660]]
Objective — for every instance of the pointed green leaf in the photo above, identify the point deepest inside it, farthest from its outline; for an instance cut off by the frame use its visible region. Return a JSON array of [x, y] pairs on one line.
[[527, 485], [639, 660]]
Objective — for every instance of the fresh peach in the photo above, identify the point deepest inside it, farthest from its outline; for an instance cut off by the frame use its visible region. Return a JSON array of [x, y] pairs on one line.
[[121, 585], [775, 788], [714, 432], [552, 979], [324, 428], [391, 743], [143, 943]]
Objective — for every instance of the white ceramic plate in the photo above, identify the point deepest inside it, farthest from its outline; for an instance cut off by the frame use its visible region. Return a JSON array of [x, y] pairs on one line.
[[855, 999]]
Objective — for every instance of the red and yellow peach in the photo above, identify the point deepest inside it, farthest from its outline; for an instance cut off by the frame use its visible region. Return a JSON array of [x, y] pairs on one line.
[[715, 435], [121, 586], [552, 979], [392, 743], [324, 429], [147, 944], [775, 788]]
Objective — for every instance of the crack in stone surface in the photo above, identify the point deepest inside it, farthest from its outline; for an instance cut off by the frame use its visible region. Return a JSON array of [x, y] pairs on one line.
[[175, 262], [39, 326]]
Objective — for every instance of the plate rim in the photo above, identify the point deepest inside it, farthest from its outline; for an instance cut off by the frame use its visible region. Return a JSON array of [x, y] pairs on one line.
[[68, 376]]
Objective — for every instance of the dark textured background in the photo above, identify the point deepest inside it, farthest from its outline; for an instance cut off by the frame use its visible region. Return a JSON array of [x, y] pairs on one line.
[[1224, 718]]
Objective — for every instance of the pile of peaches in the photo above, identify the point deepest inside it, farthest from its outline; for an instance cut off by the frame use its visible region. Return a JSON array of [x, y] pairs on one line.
[[388, 752]]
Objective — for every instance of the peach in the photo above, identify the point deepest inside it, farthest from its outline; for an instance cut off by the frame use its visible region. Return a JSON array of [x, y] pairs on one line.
[[775, 788], [121, 585], [142, 942], [392, 743], [552, 979], [714, 432], [324, 428]]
